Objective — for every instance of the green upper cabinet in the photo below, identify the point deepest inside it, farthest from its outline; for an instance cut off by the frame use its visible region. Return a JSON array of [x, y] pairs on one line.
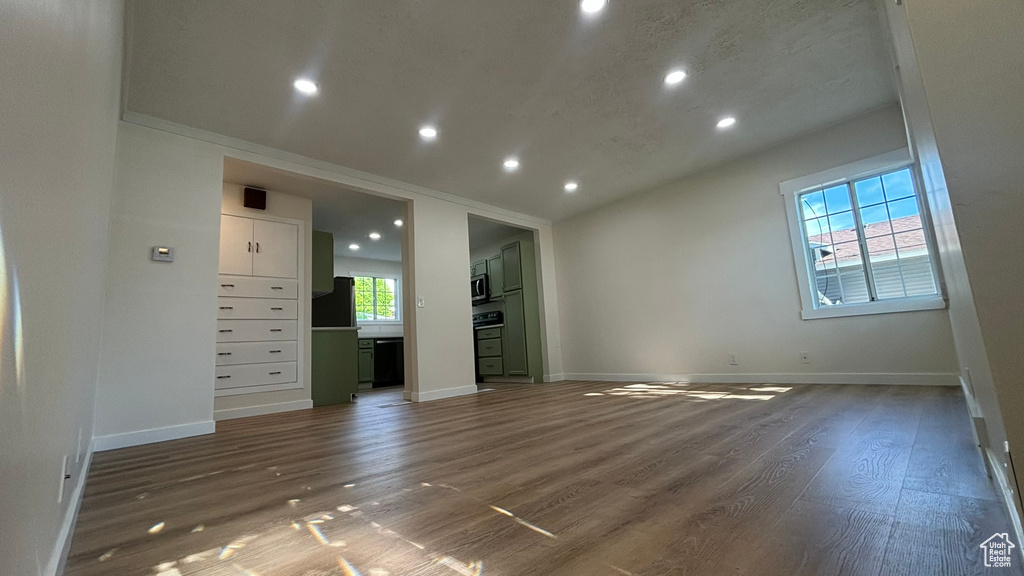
[[478, 268], [323, 263], [495, 275], [511, 269]]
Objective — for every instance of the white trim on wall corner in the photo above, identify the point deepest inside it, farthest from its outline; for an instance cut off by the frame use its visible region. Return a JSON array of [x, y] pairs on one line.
[[115, 441], [443, 393], [230, 413], [1008, 497], [916, 379], [62, 546]]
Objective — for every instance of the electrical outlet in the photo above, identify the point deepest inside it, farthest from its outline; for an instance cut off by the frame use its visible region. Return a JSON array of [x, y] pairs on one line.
[[805, 358], [420, 303], [732, 359], [64, 477]]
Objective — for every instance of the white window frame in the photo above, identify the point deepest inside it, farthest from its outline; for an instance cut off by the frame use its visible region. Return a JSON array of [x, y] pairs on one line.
[[881, 164], [398, 296]]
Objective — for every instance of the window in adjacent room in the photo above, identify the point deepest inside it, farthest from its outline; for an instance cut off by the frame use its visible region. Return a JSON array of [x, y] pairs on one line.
[[860, 240], [377, 299]]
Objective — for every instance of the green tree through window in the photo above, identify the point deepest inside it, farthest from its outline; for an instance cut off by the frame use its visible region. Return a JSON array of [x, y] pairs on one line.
[[376, 298]]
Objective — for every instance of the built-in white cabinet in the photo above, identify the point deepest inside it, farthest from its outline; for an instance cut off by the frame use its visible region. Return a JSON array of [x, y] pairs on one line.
[[258, 247], [259, 347]]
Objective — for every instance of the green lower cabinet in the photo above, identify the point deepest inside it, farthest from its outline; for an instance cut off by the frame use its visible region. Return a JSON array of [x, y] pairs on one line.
[[366, 364], [490, 366], [334, 372], [514, 352]]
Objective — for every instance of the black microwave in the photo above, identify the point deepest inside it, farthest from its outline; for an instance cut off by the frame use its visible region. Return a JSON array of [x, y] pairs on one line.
[[479, 288]]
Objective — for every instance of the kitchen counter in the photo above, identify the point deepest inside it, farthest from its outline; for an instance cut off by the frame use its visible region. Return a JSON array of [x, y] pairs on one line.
[[338, 329]]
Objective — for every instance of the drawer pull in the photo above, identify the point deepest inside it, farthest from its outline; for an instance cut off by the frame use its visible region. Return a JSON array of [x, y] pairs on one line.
[[275, 351], [277, 308], [277, 287], [224, 353], [274, 373], [224, 331], [227, 307], [223, 377], [276, 330], [227, 285]]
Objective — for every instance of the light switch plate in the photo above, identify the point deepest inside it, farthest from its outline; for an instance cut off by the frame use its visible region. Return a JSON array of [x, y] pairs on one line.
[[163, 254]]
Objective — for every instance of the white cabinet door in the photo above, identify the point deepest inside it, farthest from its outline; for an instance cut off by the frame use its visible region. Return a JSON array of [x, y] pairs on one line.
[[236, 245], [276, 251]]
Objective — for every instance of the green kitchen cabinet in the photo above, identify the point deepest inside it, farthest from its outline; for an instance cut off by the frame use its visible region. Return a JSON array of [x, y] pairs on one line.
[[334, 374], [495, 276], [365, 361], [514, 345], [323, 263], [478, 268], [511, 268]]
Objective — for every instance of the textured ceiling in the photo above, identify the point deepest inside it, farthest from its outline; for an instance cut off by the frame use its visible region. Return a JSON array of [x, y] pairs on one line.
[[575, 97], [347, 214]]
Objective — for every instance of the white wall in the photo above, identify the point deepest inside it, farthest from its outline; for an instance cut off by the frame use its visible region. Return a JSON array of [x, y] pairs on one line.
[[961, 82], [161, 322], [160, 325], [59, 100], [669, 282], [283, 205]]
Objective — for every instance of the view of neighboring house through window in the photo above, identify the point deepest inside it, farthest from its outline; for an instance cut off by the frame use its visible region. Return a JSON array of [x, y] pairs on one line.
[[866, 241], [376, 298]]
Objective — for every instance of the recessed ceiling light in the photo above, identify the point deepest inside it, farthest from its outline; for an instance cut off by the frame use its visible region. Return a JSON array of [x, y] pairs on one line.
[[571, 186], [353, 246], [428, 133], [399, 223], [306, 86], [727, 122], [593, 6], [511, 164], [675, 77], [374, 236]]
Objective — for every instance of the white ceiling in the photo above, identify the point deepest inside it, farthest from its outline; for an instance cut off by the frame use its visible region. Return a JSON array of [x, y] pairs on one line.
[[347, 214], [574, 97]]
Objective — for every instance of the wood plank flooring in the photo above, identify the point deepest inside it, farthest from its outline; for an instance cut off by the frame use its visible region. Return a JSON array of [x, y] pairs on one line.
[[582, 478]]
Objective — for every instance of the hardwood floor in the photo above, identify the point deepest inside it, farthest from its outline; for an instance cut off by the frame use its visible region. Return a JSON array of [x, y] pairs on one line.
[[574, 478]]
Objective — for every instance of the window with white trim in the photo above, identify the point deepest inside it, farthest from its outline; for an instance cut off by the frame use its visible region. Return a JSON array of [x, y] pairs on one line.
[[863, 241], [377, 299]]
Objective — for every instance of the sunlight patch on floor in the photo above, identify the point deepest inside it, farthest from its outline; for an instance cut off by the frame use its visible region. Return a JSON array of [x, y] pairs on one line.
[[682, 390]]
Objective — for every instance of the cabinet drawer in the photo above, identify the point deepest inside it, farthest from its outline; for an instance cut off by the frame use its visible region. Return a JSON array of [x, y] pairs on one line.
[[488, 333], [256, 352], [257, 308], [254, 375], [256, 330], [488, 348], [366, 343], [490, 366], [255, 287]]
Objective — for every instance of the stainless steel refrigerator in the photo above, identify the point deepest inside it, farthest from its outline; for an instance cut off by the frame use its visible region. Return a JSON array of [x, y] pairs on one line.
[[337, 309]]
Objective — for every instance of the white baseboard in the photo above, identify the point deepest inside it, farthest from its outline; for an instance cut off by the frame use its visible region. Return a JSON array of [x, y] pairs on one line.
[[916, 379], [61, 548], [554, 377], [231, 413], [1007, 494], [115, 441], [443, 393]]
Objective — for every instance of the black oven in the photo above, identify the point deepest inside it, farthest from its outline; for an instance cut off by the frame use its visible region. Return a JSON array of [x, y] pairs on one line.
[[479, 288]]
